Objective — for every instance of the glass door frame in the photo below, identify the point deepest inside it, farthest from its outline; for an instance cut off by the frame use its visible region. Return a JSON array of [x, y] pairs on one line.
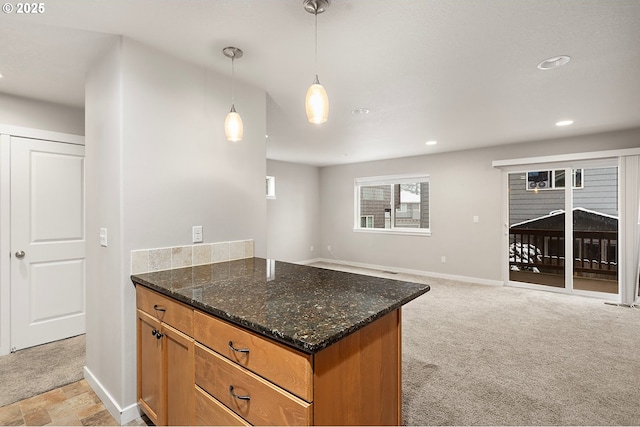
[[568, 167]]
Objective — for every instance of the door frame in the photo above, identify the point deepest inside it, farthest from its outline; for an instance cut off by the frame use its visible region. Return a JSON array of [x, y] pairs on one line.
[[568, 167], [6, 133], [590, 159]]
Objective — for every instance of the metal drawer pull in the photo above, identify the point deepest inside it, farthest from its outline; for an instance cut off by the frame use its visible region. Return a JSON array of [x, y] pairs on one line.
[[238, 350], [156, 307], [247, 397]]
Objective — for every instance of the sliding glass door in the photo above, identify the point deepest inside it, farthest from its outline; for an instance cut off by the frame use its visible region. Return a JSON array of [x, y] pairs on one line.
[[564, 213], [536, 228], [595, 231]]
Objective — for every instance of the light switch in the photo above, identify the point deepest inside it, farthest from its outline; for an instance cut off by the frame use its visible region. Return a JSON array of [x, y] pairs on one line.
[[103, 237], [197, 234]]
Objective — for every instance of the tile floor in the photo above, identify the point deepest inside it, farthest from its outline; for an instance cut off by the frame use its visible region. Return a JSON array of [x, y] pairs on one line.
[[72, 405]]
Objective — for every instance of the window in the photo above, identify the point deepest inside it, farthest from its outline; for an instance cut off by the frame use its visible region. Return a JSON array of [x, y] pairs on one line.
[[366, 221], [392, 204], [552, 180], [271, 187]]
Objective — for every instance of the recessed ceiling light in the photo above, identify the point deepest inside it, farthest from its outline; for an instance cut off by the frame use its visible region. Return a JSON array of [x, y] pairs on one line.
[[555, 62], [564, 123], [431, 142], [360, 111]]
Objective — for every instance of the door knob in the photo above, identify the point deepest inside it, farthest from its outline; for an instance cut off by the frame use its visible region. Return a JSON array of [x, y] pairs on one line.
[[20, 254]]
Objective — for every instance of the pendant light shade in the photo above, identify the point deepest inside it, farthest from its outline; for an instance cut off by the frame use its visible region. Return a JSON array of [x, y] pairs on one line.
[[317, 101], [233, 123], [233, 126]]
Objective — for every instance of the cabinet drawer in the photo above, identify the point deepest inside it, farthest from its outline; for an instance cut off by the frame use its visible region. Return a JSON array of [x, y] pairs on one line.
[[210, 412], [288, 368], [266, 404], [165, 309]]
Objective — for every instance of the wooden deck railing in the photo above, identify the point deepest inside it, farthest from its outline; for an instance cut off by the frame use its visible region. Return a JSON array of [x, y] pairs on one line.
[[595, 252]]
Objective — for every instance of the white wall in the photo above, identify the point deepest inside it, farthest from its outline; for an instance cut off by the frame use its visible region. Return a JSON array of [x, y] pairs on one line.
[[103, 153], [157, 164], [463, 185], [30, 113], [293, 217]]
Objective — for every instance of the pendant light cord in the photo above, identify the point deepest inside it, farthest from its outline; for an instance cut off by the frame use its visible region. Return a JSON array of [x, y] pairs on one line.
[[316, 58], [233, 91]]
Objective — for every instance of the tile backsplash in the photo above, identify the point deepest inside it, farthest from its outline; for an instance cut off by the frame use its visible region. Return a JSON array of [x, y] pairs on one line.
[[146, 260]]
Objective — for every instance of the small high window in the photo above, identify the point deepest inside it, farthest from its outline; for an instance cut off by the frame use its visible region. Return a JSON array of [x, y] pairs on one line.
[[271, 187]]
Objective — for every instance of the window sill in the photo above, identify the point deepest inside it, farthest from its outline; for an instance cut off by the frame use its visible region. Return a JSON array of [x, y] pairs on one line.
[[404, 232]]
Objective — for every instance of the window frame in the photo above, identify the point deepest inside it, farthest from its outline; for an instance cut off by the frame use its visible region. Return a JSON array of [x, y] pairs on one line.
[[366, 219], [389, 180], [552, 178]]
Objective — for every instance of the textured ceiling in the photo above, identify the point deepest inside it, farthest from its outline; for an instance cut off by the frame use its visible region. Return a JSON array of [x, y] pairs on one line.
[[462, 72]]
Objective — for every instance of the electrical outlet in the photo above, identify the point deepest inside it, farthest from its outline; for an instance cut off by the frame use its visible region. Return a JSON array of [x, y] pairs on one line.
[[197, 234], [443, 259], [311, 248], [476, 218], [329, 248]]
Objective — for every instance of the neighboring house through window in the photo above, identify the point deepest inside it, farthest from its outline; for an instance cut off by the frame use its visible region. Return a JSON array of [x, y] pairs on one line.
[[366, 221], [552, 179], [392, 204]]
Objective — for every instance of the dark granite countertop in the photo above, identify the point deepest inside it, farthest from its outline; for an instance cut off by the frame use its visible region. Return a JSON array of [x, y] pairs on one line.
[[305, 307]]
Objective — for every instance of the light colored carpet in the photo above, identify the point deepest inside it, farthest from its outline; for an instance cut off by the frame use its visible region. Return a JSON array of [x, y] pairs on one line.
[[485, 355], [35, 370]]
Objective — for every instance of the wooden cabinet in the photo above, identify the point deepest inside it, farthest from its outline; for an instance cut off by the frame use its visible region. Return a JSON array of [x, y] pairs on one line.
[[209, 411], [207, 371], [355, 381], [150, 370], [165, 359], [250, 396], [288, 368]]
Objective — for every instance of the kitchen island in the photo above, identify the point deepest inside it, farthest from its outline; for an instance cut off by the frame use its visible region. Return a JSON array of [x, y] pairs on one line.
[[255, 341]]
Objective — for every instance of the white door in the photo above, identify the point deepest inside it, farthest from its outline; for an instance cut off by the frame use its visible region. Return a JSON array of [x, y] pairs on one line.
[[47, 242]]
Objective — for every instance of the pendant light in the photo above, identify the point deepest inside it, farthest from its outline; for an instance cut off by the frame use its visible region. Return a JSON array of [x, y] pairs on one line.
[[233, 122], [317, 102]]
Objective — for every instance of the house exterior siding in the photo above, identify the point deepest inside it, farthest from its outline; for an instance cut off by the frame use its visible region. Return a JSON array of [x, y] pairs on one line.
[[375, 201], [599, 193]]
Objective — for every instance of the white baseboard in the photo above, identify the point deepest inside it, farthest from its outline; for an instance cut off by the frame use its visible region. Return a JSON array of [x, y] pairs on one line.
[[121, 415], [423, 273], [309, 261]]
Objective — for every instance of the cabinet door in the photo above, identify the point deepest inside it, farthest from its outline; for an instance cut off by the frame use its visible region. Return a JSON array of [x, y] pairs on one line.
[[180, 379], [150, 368]]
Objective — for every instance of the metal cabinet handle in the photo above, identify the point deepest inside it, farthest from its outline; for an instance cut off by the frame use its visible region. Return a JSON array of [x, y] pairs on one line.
[[20, 254], [238, 350], [156, 307], [157, 334], [246, 397]]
